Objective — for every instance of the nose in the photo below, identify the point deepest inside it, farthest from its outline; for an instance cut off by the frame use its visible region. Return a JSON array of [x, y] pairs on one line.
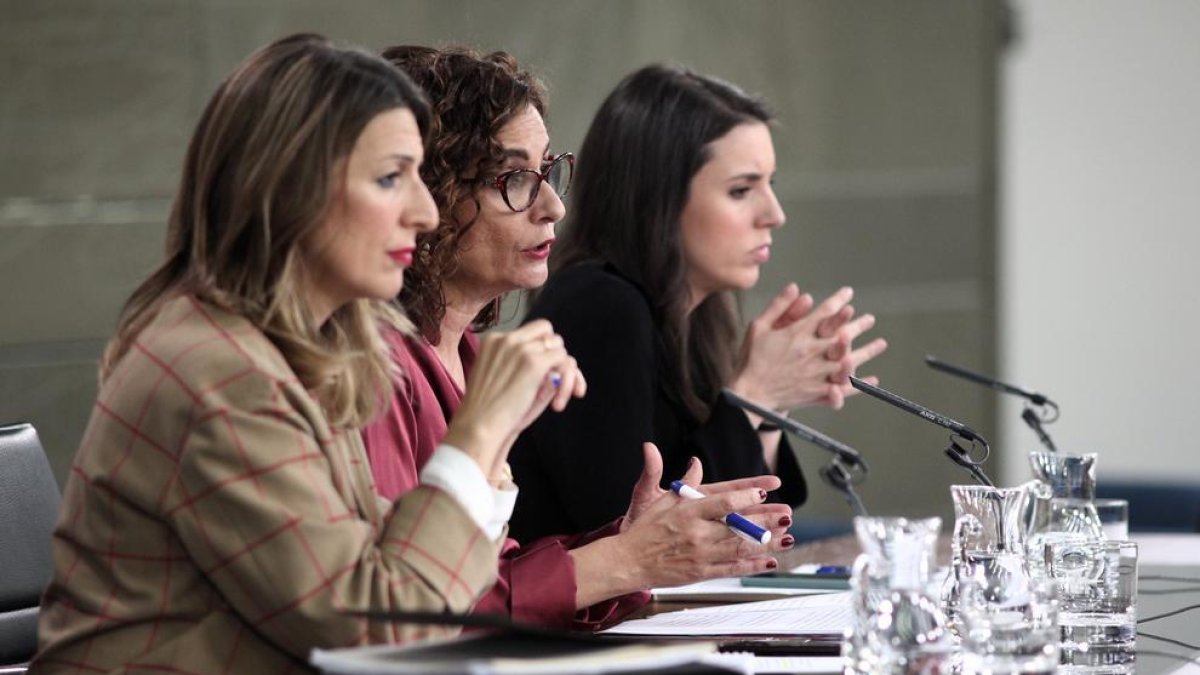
[[548, 207], [422, 214], [773, 215]]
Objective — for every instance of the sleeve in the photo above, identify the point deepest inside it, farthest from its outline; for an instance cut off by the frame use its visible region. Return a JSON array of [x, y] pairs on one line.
[[536, 585], [454, 472], [260, 510], [577, 468]]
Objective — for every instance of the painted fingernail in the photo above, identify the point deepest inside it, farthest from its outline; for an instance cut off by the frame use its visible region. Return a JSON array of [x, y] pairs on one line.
[[785, 521], [787, 541], [772, 564], [762, 495], [555, 379]]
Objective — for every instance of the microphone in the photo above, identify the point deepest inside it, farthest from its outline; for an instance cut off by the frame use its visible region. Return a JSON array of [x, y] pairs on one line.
[[840, 474], [838, 448], [957, 453], [1048, 409]]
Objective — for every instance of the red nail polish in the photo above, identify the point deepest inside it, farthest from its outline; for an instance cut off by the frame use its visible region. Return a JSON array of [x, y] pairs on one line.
[[785, 521], [762, 494], [771, 564], [787, 541]]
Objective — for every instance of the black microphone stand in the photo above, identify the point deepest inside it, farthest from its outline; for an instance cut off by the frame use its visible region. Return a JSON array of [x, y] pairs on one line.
[[846, 469], [1046, 410], [956, 452]]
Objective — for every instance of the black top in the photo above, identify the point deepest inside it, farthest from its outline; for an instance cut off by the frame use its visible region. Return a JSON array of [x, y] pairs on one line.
[[576, 469]]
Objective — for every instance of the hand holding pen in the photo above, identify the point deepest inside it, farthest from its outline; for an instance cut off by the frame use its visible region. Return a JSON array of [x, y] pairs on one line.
[[676, 541], [664, 540]]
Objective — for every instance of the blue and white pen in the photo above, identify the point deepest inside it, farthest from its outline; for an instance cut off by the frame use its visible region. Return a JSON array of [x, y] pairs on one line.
[[741, 526]]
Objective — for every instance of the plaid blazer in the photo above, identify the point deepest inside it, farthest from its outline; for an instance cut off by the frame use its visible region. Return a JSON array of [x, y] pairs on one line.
[[214, 522]]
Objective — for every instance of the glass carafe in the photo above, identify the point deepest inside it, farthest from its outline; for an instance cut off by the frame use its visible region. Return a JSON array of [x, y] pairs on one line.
[[1064, 513], [991, 527], [1006, 620], [898, 624]]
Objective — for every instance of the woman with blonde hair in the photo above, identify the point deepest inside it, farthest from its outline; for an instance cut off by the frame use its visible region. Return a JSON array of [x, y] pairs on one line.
[[220, 515]]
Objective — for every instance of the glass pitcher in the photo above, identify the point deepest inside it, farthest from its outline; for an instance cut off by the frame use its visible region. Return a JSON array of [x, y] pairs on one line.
[[1064, 515], [898, 625], [1006, 620], [991, 528]]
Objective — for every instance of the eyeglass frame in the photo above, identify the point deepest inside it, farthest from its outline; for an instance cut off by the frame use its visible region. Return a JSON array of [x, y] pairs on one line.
[[500, 182]]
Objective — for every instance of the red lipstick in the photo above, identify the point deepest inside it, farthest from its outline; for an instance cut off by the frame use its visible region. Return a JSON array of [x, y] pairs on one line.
[[403, 256]]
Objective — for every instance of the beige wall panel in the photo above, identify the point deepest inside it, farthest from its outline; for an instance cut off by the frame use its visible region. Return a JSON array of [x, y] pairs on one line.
[[68, 282]]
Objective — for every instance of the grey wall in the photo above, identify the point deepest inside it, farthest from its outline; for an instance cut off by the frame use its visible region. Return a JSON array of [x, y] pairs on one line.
[[885, 143]]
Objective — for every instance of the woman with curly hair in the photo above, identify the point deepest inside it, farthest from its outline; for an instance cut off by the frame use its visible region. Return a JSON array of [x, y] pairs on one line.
[[498, 188]]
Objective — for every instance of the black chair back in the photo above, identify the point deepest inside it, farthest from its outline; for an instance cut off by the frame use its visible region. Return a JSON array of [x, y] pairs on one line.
[[29, 500]]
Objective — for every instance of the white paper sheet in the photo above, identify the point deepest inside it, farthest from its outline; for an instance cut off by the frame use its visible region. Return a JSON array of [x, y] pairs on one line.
[[797, 664], [727, 589], [770, 665], [805, 615]]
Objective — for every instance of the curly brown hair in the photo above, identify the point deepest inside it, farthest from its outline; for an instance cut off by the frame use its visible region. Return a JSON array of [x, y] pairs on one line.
[[472, 97]]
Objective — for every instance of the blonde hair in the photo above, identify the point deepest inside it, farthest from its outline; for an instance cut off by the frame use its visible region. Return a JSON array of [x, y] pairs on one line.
[[261, 170]]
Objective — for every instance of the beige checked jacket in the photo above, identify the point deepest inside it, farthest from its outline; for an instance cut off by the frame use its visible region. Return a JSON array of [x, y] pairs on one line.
[[214, 523]]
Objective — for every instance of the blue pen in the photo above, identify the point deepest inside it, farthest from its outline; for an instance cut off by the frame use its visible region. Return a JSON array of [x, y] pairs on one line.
[[739, 524]]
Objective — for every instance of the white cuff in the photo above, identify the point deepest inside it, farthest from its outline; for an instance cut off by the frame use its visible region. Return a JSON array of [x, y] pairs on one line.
[[505, 501], [454, 472]]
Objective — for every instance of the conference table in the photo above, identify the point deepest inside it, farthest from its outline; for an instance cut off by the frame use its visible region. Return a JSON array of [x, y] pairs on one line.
[[1168, 582]]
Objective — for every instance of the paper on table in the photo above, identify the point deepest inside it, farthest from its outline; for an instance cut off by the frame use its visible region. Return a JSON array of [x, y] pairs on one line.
[[741, 662], [805, 615], [516, 655], [726, 589], [797, 664]]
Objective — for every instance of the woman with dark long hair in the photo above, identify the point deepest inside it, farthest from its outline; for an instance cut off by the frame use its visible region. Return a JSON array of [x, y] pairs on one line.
[[219, 515], [672, 212], [498, 188]]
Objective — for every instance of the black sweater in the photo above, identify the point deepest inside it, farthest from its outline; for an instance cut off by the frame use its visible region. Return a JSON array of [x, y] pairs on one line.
[[576, 469]]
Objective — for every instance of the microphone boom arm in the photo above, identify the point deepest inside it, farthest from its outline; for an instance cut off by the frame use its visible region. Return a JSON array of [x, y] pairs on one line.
[[840, 474], [957, 453]]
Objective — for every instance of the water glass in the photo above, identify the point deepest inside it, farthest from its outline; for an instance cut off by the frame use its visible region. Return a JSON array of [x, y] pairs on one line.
[[1097, 592], [1114, 517]]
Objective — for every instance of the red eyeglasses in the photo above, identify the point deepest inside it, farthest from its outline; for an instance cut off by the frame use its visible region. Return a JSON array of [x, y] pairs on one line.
[[519, 187]]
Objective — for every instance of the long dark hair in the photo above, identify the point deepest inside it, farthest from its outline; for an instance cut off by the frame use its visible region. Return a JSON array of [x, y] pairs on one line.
[[472, 96], [649, 138], [260, 173]]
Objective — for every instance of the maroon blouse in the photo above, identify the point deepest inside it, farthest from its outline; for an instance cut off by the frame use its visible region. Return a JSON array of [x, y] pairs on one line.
[[536, 582]]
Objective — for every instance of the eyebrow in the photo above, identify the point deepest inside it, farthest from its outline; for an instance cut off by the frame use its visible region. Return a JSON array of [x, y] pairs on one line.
[[520, 153], [749, 175], [402, 159]]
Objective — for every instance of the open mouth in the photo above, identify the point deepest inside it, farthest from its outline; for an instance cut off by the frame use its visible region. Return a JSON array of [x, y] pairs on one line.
[[542, 250]]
